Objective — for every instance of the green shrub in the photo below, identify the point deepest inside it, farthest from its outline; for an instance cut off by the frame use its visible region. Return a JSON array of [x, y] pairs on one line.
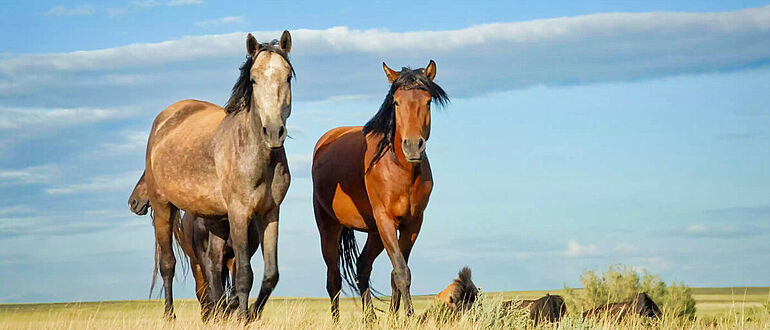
[[620, 283]]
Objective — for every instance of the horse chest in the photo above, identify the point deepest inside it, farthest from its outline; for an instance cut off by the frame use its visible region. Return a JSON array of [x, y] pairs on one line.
[[408, 201], [262, 186]]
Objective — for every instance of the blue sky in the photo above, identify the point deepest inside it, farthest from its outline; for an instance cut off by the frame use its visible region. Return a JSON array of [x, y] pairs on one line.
[[580, 134]]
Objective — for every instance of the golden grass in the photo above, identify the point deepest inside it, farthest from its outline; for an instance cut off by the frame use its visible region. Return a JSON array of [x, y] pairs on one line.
[[718, 308]]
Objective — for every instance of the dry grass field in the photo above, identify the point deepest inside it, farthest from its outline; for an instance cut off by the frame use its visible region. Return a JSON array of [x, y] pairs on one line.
[[717, 308]]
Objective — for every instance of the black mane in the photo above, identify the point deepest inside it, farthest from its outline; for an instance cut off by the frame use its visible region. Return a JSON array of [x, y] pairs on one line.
[[384, 121], [240, 98]]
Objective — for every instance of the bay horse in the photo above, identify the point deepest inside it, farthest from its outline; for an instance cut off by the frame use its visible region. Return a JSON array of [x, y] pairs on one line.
[[376, 179], [206, 244], [229, 163]]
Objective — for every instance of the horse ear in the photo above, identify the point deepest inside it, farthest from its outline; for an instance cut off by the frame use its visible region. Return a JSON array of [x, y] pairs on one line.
[[430, 70], [251, 45], [286, 42], [392, 74]]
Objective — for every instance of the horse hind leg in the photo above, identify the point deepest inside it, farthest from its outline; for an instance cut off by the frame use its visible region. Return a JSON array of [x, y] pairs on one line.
[[215, 262], [330, 230], [372, 249], [163, 221]]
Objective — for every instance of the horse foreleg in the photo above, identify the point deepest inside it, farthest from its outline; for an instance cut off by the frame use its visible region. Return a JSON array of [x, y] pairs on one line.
[[244, 276], [268, 238], [406, 240], [401, 275], [164, 218], [372, 249]]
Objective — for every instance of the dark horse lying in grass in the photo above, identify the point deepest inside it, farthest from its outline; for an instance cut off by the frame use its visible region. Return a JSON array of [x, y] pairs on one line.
[[206, 243], [550, 308], [641, 305], [376, 179]]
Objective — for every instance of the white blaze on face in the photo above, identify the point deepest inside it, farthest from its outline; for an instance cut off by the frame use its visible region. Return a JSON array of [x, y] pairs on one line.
[[272, 93]]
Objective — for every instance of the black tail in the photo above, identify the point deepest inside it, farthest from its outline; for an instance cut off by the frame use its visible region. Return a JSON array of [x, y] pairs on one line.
[[349, 254]]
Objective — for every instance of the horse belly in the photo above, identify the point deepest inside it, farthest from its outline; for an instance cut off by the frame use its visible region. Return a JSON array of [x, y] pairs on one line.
[[348, 211]]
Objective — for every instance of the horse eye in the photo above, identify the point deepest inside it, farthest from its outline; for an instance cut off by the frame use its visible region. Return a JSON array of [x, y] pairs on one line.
[[252, 81], [395, 103]]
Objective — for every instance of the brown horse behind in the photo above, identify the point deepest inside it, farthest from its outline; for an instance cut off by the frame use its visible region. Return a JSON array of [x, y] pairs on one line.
[[211, 258], [376, 179]]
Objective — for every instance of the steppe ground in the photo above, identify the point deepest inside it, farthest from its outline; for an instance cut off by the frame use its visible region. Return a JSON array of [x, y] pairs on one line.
[[716, 308]]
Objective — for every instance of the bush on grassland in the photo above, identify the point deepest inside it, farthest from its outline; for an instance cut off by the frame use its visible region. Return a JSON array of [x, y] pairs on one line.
[[620, 283]]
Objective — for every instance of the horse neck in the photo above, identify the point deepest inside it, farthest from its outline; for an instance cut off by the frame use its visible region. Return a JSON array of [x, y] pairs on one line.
[[249, 137]]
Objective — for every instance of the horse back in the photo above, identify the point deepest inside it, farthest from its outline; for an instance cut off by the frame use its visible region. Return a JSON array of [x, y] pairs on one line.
[[180, 151]]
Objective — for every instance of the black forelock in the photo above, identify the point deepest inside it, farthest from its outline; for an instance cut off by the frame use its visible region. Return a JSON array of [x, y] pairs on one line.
[[384, 121], [240, 98]]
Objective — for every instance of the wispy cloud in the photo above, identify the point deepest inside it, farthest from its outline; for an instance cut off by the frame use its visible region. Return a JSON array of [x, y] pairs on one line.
[[170, 3], [714, 231], [299, 164], [35, 118], [132, 142], [471, 61], [754, 213], [575, 249], [106, 183], [17, 124], [15, 210], [28, 175], [82, 10], [227, 20]]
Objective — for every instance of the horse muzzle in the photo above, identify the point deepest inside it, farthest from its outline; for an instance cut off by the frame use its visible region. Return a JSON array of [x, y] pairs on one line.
[[414, 149], [274, 135], [139, 208]]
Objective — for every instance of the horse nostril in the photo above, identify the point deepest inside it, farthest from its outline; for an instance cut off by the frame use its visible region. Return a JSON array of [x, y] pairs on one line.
[[264, 130], [133, 202], [420, 143], [281, 131]]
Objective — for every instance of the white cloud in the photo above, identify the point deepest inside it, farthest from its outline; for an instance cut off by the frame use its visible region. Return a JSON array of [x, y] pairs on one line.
[[170, 3], [34, 119], [119, 182], [725, 231], [575, 249], [15, 210], [17, 124], [133, 142], [82, 10], [654, 265], [471, 61], [32, 174], [227, 20]]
